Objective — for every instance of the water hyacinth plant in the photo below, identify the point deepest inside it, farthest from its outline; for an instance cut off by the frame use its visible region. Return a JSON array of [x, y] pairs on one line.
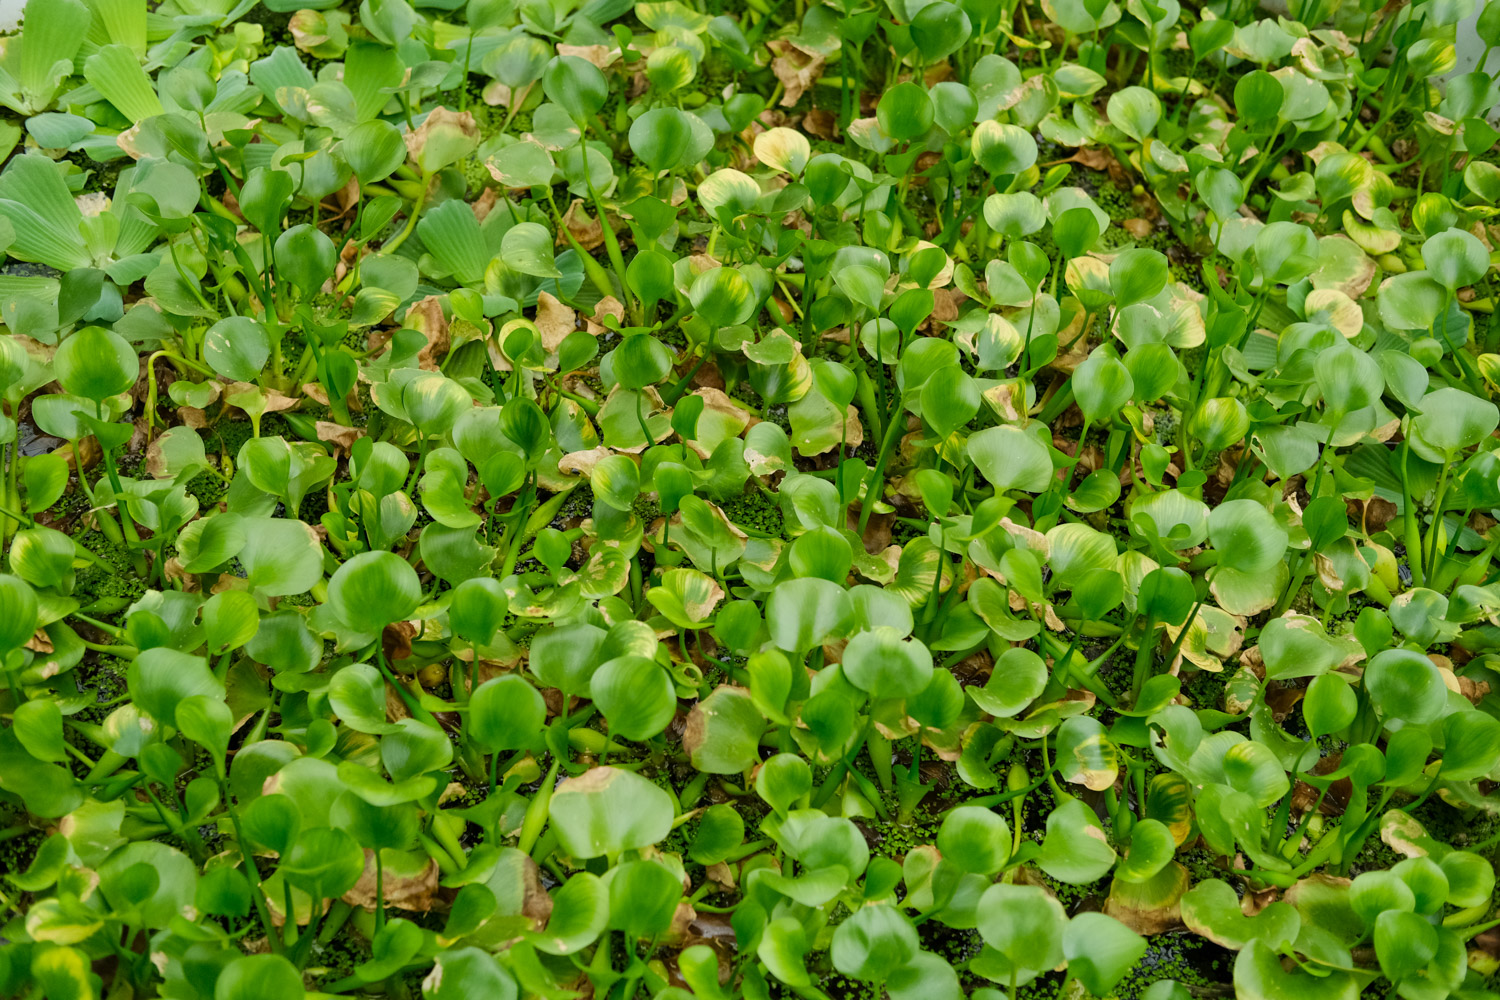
[[734, 499]]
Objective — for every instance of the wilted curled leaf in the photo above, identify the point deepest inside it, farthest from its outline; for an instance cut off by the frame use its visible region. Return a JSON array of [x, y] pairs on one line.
[[554, 320], [1152, 906], [796, 67], [587, 230], [601, 56], [443, 138], [410, 882], [607, 307], [254, 399], [581, 463], [426, 317], [323, 34]]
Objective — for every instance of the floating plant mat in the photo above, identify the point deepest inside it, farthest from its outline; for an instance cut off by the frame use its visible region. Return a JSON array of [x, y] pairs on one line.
[[746, 499]]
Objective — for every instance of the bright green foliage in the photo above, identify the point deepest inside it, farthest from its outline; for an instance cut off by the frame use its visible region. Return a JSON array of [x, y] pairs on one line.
[[660, 499]]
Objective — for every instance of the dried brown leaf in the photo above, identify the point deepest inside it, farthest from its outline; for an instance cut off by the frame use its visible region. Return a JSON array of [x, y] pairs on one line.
[[797, 69], [587, 230], [820, 123], [337, 434], [601, 56], [607, 306], [427, 318], [554, 320], [406, 892]]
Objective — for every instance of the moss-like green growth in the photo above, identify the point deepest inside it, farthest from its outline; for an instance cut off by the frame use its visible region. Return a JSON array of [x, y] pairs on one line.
[[1205, 688], [336, 959], [893, 840], [755, 510], [904, 530], [578, 505], [230, 435], [101, 177], [646, 507], [104, 677], [846, 988], [113, 577], [208, 489], [18, 848], [1184, 958], [1375, 855]]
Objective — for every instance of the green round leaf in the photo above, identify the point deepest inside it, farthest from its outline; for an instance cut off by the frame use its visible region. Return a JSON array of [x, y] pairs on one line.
[[506, 713], [1404, 684], [873, 943], [975, 839], [467, 972], [884, 664], [95, 363], [252, 977], [1003, 150], [1024, 923], [18, 612], [374, 589], [905, 112], [606, 811], [373, 150], [1135, 111], [1456, 258], [635, 695]]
